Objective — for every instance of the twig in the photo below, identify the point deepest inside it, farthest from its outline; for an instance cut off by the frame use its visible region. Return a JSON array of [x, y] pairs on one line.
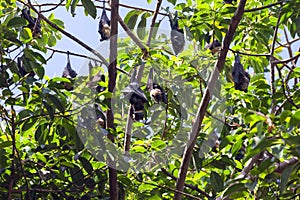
[[250, 165], [206, 98], [264, 7], [142, 9], [287, 60], [67, 34], [56, 6], [193, 187], [83, 56], [220, 120], [249, 54], [273, 89], [152, 27]]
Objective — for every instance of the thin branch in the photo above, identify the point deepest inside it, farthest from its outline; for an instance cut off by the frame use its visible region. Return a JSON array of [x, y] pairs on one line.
[[222, 121], [287, 60], [251, 163], [142, 9], [193, 187], [272, 74], [152, 27], [175, 191], [249, 54], [206, 98], [56, 6], [265, 7], [67, 34], [283, 165], [132, 36], [83, 56]]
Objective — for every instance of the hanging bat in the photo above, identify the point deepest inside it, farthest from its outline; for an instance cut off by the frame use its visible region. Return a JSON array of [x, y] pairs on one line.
[[177, 35], [101, 117], [157, 93], [214, 47], [241, 78], [68, 73], [104, 25], [137, 100], [228, 1], [100, 88], [34, 24], [21, 68]]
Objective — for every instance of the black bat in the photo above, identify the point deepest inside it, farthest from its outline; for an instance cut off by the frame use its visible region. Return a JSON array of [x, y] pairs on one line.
[[21, 67], [104, 25], [68, 73], [157, 93], [214, 47], [241, 78], [100, 88], [137, 98], [177, 35], [228, 1], [34, 24]]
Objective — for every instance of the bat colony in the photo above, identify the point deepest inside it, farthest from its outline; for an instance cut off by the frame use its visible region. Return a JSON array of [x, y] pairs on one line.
[[137, 98]]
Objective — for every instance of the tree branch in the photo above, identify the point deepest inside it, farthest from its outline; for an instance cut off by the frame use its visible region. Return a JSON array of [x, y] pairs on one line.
[[152, 27], [264, 7], [132, 36], [273, 89], [283, 165], [83, 56], [112, 75], [41, 16], [193, 187], [206, 98]]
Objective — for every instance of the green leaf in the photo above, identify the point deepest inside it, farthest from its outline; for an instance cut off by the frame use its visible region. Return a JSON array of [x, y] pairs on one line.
[[26, 35], [216, 182], [56, 102], [131, 18], [296, 115], [5, 144], [146, 187], [77, 175], [172, 1], [90, 8], [86, 165], [16, 22], [73, 7]]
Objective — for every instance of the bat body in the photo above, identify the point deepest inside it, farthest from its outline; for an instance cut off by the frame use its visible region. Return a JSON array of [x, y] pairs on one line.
[[214, 47], [240, 77], [158, 93], [69, 73], [34, 24], [137, 99], [177, 35], [228, 1], [104, 25], [100, 88]]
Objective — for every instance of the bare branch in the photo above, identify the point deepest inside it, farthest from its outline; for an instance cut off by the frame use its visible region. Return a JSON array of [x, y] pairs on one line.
[[206, 98], [152, 27], [283, 165], [112, 75], [132, 36]]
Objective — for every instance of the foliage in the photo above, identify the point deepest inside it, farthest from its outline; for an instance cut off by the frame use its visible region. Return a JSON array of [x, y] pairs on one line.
[[42, 151]]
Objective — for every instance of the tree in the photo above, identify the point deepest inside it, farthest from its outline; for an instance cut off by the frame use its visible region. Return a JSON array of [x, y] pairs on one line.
[[208, 141]]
